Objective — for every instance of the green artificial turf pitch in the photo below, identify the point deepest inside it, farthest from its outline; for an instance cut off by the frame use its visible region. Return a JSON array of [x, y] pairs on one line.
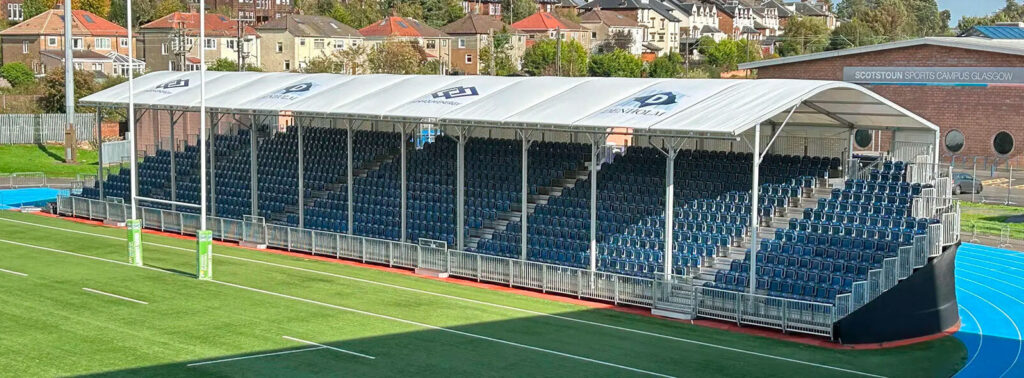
[[275, 315]]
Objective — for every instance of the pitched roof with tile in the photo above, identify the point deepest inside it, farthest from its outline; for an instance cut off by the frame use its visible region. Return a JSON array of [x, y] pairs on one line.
[[310, 26], [394, 26], [216, 25], [76, 55], [806, 9], [659, 7], [607, 17], [545, 21], [51, 22], [476, 24]]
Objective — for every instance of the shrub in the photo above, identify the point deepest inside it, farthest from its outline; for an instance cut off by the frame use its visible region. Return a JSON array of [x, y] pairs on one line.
[[18, 74]]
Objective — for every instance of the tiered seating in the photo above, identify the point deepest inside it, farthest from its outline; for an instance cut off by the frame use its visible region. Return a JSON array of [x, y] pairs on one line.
[[431, 175], [836, 243]]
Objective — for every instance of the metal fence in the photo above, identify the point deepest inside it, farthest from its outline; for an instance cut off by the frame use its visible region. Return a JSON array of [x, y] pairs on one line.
[[40, 180], [44, 128], [787, 315], [117, 152]]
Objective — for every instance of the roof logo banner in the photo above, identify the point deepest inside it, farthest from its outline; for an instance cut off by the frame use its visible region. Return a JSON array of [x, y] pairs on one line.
[[449, 96], [653, 104], [292, 92], [166, 88]]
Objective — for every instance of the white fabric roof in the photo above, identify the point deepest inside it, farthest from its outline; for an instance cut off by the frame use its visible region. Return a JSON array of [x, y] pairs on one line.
[[649, 106]]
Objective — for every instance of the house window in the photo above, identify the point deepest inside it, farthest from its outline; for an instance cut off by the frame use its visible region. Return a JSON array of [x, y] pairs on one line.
[[123, 42], [495, 9], [287, 65], [210, 44], [103, 43], [163, 49], [444, 43], [318, 43], [1003, 143], [302, 41], [593, 34], [24, 47], [78, 66], [14, 12], [339, 44], [280, 47], [77, 43], [469, 58], [51, 41], [954, 141], [462, 43], [230, 43], [431, 44], [355, 43], [97, 67], [862, 138]]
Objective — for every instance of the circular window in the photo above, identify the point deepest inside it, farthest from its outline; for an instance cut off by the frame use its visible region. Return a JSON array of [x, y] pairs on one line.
[[1003, 143], [862, 138], [954, 141]]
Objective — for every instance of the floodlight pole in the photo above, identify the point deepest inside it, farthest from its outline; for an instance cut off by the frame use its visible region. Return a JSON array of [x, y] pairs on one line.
[[204, 238], [594, 164], [348, 177], [69, 82], [755, 221], [670, 173], [302, 174], [99, 151], [133, 224]]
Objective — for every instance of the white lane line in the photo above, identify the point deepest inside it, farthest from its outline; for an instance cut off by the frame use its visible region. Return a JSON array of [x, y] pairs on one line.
[[424, 325], [981, 338], [979, 248], [113, 295], [13, 272], [625, 329], [1008, 283], [990, 259], [255, 356], [1019, 341], [329, 347]]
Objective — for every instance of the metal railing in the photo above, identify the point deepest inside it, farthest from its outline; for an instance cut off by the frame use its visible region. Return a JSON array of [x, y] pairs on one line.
[[40, 180], [44, 128], [788, 315]]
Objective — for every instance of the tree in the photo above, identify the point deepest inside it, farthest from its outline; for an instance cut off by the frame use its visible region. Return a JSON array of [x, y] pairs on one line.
[[142, 12], [438, 13], [99, 7], [618, 63], [324, 64], [727, 54], [394, 57], [32, 8], [52, 100], [853, 34], [1012, 11], [353, 59], [617, 40], [514, 10], [166, 7], [358, 13], [17, 74], [666, 66], [225, 64], [539, 59], [804, 35], [496, 57]]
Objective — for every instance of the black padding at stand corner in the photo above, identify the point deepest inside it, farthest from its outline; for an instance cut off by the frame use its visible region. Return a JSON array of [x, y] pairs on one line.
[[923, 304]]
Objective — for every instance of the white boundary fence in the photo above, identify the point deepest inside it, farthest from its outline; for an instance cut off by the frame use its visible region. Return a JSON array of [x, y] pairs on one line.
[[44, 128], [39, 180]]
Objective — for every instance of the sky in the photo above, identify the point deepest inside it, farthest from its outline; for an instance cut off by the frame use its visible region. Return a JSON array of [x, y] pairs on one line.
[[960, 8]]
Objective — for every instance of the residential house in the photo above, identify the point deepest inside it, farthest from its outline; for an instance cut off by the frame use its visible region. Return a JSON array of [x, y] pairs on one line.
[[482, 7], [660, 21], [12, 10], [102, 66], [172, 42], [432, 43], [474, 32], [606, 26], [291, 41], [699, 20], [25, 41], [259, 11], [737, 20], [543, 25], [814, 8]]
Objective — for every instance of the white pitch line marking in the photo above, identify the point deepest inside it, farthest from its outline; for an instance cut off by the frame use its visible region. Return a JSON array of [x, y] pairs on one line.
[[625, 329], [113, 295], [13, 272], [329, 347], [254, 356]]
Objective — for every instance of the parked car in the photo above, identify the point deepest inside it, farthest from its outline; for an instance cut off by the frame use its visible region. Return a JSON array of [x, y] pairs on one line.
[[965, 183]]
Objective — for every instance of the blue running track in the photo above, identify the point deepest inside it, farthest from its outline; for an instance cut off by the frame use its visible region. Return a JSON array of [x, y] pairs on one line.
[[990, 291], [13, 198]]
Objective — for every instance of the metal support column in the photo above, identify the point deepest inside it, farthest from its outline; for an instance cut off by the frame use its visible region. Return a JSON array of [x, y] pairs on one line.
[[174, 166], [99, 151], [594, 165], [460, 192], [302, 175], [253, 192], [404, 178], [525, 196], [214, 124], [755, 221], [348, 178], [670, 173]]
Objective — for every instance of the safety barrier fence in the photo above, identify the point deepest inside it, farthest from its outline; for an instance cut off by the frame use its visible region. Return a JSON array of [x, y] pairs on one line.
[[40, 180], [743, 308]]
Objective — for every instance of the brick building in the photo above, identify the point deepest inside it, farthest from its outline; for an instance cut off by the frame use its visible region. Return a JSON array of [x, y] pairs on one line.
[[972, 88]]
